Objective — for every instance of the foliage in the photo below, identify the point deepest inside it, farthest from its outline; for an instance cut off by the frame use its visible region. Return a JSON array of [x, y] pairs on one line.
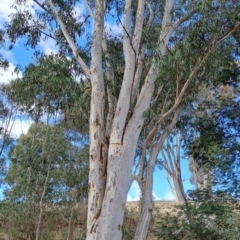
[[130, 223], [34, 152], [19, 219], [51, 87], [7, 113], [200, 221], [47, 167], [4, 64], [227, 172]]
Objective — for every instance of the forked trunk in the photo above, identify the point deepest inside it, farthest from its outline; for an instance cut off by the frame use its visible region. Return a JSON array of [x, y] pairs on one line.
[[109, 223]]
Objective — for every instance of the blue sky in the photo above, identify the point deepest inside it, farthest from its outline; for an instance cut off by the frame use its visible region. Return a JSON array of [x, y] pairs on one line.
[[22, 56]]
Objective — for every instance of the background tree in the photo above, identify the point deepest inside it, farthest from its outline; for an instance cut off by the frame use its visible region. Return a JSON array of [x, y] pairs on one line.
[[7, 117], [158, 118], [171, 163], [41, 163]]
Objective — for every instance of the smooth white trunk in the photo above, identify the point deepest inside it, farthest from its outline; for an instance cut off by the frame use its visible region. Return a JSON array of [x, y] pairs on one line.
[[120, 161], [146, 201], [179, 191], [146, 183], [98, 145]]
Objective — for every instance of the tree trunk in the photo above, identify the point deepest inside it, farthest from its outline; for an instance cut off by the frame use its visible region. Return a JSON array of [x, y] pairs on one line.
[[97, 147], [121, 157], [146, 201], [69, 234], [146, 184], [41, 205], [178, 187]]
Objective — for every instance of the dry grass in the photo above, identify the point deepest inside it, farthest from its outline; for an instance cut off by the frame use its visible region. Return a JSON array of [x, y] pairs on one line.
[[55, 222]]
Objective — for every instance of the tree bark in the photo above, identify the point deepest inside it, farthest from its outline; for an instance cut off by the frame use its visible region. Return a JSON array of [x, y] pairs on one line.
[[171, 164], [97, 148], [178, 188], [146, 202], [146, 183]]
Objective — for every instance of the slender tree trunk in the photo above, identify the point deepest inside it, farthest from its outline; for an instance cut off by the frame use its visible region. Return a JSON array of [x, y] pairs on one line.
[[146, 201], [69, 236], [146, 184], [178, 187], [38, 231], [98, 147]]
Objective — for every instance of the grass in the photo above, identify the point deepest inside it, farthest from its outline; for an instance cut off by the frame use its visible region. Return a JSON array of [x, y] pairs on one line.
[[56, 222]]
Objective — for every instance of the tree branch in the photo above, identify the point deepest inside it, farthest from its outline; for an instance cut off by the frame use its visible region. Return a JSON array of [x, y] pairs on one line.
[[138, 26], [89, 9], [181, 20], [151, 15], [126, 27], [191, 76], [138, 74], [69, 39], [42, 6], [110, 77]]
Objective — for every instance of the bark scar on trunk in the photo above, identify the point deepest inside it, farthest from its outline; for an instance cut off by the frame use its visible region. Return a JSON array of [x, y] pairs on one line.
[[150, 209], [101, 154], [95, 218], [119, 227], [120, 144]]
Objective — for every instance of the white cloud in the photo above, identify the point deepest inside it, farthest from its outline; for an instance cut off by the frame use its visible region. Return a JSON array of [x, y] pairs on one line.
[[5, 10], [79, 10], [20, 127], [134, 192], [169, 196], [156, 197], [9, 74], [113, 29], [48, 46], [7, 54]]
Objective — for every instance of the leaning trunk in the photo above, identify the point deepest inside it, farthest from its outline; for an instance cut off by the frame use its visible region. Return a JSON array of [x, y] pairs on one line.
[[146, 201], [146, 184], [179, 191]]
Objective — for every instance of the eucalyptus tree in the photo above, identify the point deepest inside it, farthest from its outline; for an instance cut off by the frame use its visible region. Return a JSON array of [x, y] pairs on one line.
[[116, 120], [3, 62], [49, 87], [42, 165], [203, 137], [56, 97], [156, 132], [33, 160], [214, 153], [7, 118], [207, 103], [171, 163]]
